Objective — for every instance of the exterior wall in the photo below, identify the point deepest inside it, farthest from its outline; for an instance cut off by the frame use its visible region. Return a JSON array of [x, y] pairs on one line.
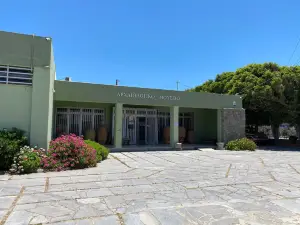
[[24, 50], [233, 124], [28, 107], [41, 107], [15, 102], [68, 91], [206, 125]]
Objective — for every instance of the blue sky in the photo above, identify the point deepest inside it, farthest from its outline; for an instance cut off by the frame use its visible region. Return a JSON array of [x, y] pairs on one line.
[[154, 43]]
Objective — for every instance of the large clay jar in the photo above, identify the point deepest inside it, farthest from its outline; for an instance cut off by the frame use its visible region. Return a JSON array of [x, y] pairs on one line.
[[181, 134], [167, 135], [102, 135], [191, 137], [90, 134]]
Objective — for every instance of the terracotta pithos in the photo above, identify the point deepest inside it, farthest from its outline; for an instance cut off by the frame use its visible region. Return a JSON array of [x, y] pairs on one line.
[[167, 135], [181, 134], [102, 135], [191, 136]]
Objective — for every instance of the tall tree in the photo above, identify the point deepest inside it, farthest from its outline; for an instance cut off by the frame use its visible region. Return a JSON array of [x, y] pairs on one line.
[[269, 92]]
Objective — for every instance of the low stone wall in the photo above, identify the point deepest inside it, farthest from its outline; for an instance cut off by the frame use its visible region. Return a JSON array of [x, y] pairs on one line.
[[233, 124]]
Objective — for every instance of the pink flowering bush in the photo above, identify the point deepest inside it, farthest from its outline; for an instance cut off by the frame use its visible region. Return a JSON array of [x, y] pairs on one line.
[[69, 152]]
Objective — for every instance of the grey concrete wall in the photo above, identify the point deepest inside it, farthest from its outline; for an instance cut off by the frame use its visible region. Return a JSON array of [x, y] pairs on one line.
[[233, 124]]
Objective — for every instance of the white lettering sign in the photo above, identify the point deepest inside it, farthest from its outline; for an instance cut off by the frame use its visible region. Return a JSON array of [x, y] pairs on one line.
[[148, 96]]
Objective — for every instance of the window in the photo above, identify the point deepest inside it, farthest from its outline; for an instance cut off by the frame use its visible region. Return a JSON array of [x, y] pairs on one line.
[[78, 120], [16, 75]]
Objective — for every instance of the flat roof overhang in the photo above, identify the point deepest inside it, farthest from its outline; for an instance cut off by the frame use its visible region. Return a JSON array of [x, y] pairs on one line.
[[86, 92]]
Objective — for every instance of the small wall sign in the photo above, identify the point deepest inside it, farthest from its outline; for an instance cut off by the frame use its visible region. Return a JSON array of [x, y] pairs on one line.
[[148, 96]]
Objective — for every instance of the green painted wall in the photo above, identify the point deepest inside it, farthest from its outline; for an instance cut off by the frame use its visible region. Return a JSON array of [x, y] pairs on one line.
[[28, 108], [42, 102], [207, 124], [41, 107], [24, 50], [68, 91], [15, 102]]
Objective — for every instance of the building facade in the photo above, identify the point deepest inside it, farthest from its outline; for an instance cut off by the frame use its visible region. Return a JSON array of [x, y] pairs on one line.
[[33, 100]]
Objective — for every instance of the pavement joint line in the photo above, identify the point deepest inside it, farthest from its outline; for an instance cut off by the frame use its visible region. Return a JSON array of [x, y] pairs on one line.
[[274, 193], [13, 205], [116, 158], [76, 219], [79, 175], [272, 176], [155, 174], [95, 188], [152, 192], [228, 170], [46, 184], [161, 158], [128, 156], [144, 159], [294, 169], [262, 161], [122, 222]]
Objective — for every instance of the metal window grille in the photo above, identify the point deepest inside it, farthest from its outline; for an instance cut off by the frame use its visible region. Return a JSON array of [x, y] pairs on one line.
[[16, 75], [78, 120], [163, 121], [130, 124], [186, 120]]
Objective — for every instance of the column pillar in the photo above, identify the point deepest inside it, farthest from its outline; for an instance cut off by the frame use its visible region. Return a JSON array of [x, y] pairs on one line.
[[41, 107], [220, 141], [174, 123], [118, 138]]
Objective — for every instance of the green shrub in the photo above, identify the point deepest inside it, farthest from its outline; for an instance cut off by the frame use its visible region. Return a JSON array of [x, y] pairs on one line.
[[102, 152], [31, 162], [26, 161], [10, 143], [241, 144]]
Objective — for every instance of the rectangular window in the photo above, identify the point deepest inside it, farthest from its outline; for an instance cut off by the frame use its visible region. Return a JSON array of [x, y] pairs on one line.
[[78, 120], [16, 75]]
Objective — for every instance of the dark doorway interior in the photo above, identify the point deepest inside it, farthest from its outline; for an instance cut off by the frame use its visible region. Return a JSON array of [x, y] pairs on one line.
[[142, 130]]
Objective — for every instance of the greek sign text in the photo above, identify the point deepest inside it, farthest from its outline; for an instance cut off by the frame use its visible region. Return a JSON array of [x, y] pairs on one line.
[[148, 96]]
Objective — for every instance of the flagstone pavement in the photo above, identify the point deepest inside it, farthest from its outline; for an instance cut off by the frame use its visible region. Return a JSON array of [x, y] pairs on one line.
[[159, 188]]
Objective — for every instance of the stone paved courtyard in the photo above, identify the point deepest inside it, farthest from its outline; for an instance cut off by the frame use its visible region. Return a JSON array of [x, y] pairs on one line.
[[143, 188]]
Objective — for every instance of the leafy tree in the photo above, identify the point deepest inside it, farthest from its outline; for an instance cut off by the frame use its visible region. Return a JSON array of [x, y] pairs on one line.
[[270, 92]]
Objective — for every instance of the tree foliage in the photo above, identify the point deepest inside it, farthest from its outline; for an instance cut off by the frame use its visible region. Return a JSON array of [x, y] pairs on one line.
[[270, 92]]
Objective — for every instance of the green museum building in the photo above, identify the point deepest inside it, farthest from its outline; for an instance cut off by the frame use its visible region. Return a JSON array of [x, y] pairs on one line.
[[33, 100]]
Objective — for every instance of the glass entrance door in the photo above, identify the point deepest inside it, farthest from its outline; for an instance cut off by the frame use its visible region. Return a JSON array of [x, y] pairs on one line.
[[151, 130], [141, 131], [139, 126]]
